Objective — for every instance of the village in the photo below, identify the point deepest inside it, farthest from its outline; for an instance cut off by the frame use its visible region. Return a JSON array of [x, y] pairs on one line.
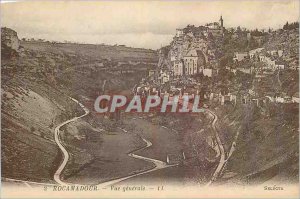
[[150, 98], [192, 65]]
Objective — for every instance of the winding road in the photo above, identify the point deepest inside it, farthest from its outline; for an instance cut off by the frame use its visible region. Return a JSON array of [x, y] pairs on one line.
[[60, 145], [157, 163], [57, 176], [62, 148], [157, 166], [223, 160]]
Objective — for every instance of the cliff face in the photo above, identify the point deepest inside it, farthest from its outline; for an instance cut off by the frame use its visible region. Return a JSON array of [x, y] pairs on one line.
[[163, 58], [9, 38], [199, 38]]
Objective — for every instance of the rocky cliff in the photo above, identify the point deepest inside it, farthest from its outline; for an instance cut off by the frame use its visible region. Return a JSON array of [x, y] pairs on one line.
[[9, 38]]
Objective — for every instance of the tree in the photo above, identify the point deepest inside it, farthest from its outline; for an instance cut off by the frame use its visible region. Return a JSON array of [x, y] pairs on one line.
[[285, 27], [252, 43], [225, 60], [291, 26], [32, 129]]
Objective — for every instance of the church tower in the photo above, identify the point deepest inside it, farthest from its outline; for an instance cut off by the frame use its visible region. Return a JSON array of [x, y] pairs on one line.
[[221, 22]]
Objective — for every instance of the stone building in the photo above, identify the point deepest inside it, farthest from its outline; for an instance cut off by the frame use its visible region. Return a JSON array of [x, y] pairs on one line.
[[194, 62], [178, 68], [163, 76], [179, 32], [216, 29], [239, 56]]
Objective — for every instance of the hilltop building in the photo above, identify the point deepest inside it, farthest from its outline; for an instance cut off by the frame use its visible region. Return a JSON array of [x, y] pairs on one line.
[[179, 32], [193, 49], [216, 29]]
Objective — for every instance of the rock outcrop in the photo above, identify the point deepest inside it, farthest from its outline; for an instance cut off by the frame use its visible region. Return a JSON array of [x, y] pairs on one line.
[[9, 38]]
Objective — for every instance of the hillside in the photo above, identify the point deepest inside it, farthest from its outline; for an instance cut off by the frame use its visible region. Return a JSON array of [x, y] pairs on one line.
[[94, 51], [37, 80], [266, 143], [260, 139]]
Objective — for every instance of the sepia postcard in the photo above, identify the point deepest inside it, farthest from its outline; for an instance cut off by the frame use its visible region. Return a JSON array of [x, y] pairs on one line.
[[150, 99]]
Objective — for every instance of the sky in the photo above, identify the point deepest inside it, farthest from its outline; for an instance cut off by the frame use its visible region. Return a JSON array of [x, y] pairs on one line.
[[143, 24]]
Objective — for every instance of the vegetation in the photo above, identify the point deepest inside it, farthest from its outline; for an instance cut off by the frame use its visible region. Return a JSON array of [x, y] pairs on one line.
[[290, 26]]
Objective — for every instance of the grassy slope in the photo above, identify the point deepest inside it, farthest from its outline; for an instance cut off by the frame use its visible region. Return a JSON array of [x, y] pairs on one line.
[[266, 147], [27, 122], [36, 85], [119, 53]]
